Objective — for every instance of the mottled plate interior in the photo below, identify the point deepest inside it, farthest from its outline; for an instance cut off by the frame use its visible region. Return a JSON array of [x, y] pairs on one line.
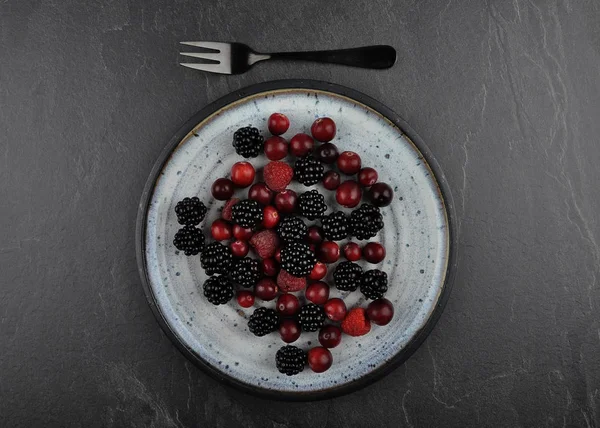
[[416, 236]]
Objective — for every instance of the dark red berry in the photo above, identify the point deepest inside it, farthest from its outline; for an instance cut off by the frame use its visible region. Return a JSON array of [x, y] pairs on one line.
[[315, 235], [220, 230], [301, 145], [349, 163], [286, 201], [242, 233], [242, 174], [222, 189], [380, 311], [330, 336], [367, 177], [261, 193], [278, 255], [328, 252], [335, 309], [269, 267], [348, 194], [319, 359], [289, 330], [239, 248], [276, 148], [318, 272], [266, 289], [352, 251], [327, 153], [323, 129], [374, 252], [288, 304], [331, 180], [245, 298], [278, 123], [270, 217], [318, 293], [381, 194]]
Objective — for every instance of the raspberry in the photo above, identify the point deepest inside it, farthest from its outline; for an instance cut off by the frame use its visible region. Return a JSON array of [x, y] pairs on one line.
[[226, 211], [265, 243], [356, 323], [289, 283], [277, 175]]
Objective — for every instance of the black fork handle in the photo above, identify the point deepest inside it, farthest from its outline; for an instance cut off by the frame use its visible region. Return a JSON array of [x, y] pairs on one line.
[[381, 56]]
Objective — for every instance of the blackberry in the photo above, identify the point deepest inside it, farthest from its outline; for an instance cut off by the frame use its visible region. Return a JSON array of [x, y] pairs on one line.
[[347, 276], [308, 170], [297, 259], [311, 317], [248, 142], [373, 284], [190, 211], [312, 204], [245, 272], [218, 290], [292, 229], [263, 321], [365, 221], [190, 240], [335, 226], [290, 360], [247, 213], [216, 258]]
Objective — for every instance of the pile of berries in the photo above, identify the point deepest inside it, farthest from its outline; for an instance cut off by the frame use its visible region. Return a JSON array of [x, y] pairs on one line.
[[293, 240]]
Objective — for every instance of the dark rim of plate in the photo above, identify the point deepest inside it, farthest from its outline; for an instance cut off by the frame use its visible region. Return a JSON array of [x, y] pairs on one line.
[[335, 89]]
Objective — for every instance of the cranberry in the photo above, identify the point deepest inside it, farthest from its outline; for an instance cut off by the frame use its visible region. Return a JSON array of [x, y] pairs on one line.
[[266, 289], [288, 304], [301, 145], [245, 298], [278, 255], [327, 153], [239, 248], [289, 330], [381, 194], [261, 193], [319, 359], [242, 174], [323, 129], [269, 267], [331, 180], [315, 235], [270, 217], [222, 189], [318, 292], [276, 148], [367, 177], [242, 233], [349, 163], [352, 251], [330, 336], [348, 194], [278, 123], [319, 271], [328, 252], [335, 309], [220, 230], [374, 252], [380, 311], [286, 201]]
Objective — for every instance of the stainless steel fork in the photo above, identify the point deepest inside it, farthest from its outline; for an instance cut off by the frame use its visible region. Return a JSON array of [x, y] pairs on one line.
[[236, 58]]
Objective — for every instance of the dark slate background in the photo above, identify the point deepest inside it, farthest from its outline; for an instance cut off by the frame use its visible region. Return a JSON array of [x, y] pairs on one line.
[[507, 96]]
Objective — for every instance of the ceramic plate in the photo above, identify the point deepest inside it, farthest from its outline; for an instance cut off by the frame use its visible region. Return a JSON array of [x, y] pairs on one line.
[[418, 236]]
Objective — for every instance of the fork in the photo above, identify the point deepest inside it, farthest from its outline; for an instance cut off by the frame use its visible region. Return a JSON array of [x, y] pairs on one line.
[[236, 58]]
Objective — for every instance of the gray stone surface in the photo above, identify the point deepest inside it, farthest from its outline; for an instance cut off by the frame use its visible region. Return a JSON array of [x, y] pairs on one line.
[[507, 96]]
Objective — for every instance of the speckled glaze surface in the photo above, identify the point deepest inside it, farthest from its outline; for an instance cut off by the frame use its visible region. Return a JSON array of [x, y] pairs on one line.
[[417, 237]]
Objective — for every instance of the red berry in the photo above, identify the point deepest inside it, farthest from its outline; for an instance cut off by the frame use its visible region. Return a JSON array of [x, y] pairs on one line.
[[289, 330], [265, 243], [239, 248], [374, 252], [270, 217], [356, 322], [323, 129], [381, 194], [242, 174], [349, 163], [335, 309], [380, 311], [318, 272], [331, 180], [286, 201], [266, 289], [261, 193], [269, 267], [348, 194], [288, 304], [245, 298], [276, 148], [327, 153], [278, 123], [318, 293], [222, 189], [328, 252], [367, 177], [277, 175], [226, 211], [290, 283], [319, 359], [278, 255], [315, 235], [330, 336], [301, 145], [220, 230], [352, 251], [242, 233]]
